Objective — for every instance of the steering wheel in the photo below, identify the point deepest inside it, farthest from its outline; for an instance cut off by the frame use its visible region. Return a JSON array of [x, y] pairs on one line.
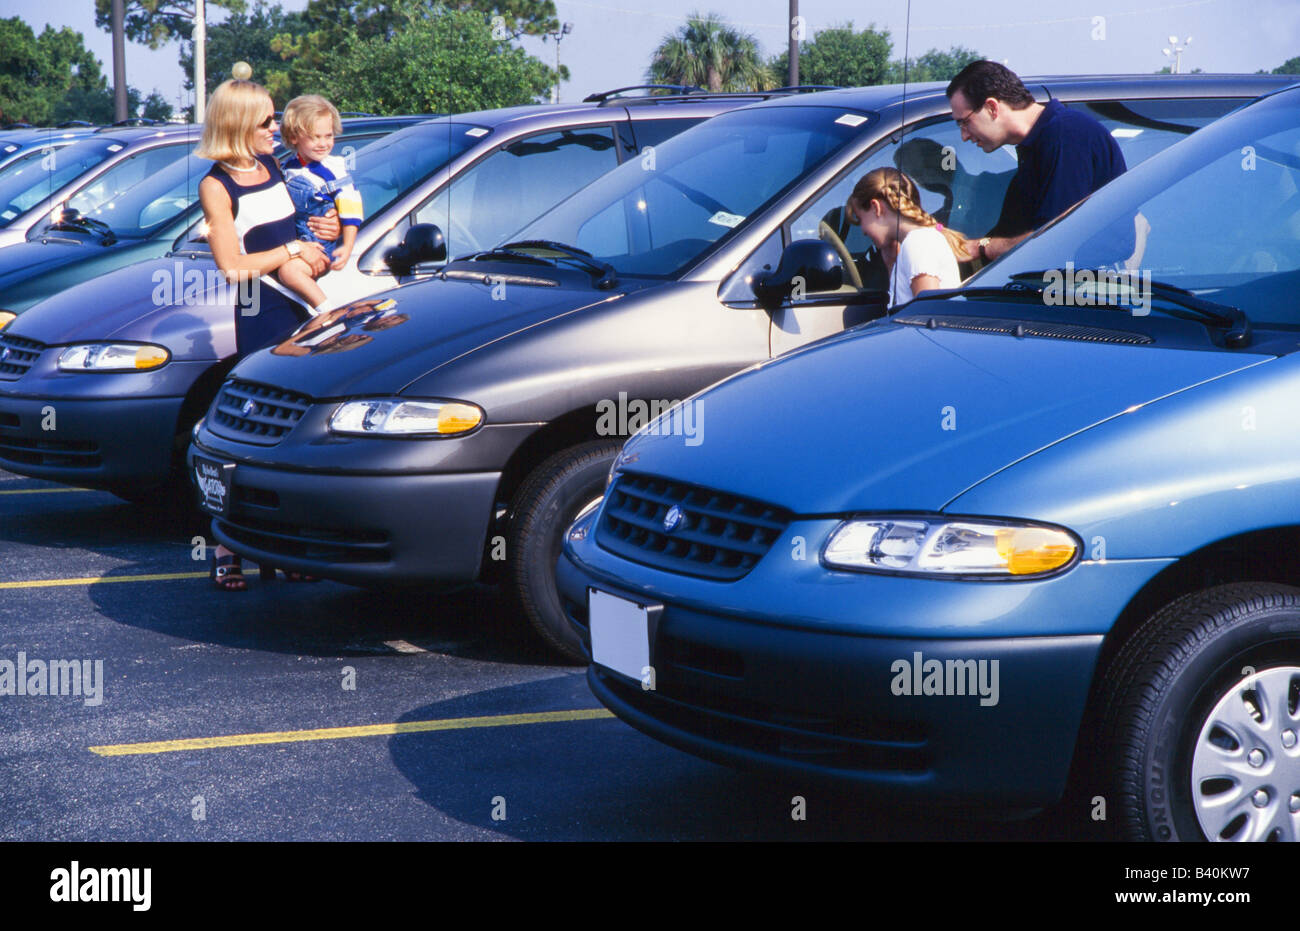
[[828, 236]]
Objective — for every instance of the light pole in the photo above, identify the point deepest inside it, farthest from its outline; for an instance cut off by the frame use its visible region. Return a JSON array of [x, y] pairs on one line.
[[1176, 51], [200, 66], [558, 35]]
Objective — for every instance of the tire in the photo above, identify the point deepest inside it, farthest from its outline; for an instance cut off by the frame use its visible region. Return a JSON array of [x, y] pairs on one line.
[[1200, 719], [546, 504]]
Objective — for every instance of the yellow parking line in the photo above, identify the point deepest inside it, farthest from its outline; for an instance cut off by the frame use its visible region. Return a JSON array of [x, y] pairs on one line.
[[41, 491], [96, 579], [337, 733]]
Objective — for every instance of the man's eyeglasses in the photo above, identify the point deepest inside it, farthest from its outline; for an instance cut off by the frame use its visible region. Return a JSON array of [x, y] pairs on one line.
[[266, 123], [961, 123]]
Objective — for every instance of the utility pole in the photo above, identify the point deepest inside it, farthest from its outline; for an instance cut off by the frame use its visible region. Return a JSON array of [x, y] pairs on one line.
[[793, 78], [118, 16], [200, 65]]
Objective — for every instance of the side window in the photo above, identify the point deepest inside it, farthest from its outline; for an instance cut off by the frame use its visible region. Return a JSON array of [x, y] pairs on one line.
[[653, 132], [124, 175], [960, 185], [515, 185], [1144, 127]]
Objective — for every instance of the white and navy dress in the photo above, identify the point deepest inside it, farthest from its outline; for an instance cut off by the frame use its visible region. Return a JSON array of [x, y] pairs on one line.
[[264, 219]]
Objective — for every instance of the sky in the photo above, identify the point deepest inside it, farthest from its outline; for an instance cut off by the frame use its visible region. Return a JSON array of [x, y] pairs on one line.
[[612, 40]]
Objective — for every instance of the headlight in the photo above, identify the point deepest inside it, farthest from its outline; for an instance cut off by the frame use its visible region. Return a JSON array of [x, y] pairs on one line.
[[113, 357], [6, 316], [405, 418], [950, 548]]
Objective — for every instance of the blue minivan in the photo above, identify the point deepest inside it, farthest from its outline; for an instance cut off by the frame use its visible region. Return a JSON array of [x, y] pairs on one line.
[[1036, 532]]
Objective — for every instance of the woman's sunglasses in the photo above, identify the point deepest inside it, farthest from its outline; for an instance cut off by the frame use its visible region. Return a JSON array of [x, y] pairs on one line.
[[266, 123]]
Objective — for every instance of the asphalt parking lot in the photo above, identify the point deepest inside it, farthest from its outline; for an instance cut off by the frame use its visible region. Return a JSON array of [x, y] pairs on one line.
[[228, 716]]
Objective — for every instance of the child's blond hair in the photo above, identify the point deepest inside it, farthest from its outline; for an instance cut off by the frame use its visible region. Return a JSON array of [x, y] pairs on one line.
[[899, 191], [234, 112], [301, 114]]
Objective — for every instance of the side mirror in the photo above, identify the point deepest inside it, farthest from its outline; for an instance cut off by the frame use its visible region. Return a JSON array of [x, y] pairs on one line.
[[422, 243], [807, 264]]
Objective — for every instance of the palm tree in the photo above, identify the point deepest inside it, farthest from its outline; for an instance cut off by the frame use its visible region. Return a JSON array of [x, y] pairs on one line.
[[708, 52]]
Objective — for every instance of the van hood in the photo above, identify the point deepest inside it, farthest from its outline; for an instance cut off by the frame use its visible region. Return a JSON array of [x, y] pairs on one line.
[[899, 417], [33, 271], [380, 345], [23, 259], [177, 301]]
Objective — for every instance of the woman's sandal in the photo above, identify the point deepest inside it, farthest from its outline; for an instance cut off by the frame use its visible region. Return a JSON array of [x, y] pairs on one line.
[[227, 574]]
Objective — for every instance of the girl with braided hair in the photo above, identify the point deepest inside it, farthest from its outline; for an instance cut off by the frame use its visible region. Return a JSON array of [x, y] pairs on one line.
[[919, 251]]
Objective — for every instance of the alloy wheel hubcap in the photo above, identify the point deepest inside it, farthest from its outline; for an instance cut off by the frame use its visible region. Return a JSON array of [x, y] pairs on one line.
[[1246, 765]]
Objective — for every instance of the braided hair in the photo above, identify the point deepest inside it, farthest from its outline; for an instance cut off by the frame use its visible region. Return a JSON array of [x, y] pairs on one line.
[[899, 191]]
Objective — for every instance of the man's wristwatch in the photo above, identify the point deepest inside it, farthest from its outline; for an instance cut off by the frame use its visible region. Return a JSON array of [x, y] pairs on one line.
[[293, 247], [984, 242]]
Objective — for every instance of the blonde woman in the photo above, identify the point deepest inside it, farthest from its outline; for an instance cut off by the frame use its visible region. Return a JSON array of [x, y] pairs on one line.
[[921, 253], [250, 222]]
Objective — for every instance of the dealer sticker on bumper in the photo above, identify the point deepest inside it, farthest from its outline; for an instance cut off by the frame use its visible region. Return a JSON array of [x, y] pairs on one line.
[[620, 632], [213, 482]]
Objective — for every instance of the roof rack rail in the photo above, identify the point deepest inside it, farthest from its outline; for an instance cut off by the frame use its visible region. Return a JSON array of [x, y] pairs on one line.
[[137, 121], [355, 113], [806, 88], [674, 89], [19, 125], [73, 124]]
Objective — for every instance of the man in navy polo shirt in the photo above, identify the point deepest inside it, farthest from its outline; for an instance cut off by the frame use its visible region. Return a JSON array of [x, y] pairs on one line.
[[1064, 155]]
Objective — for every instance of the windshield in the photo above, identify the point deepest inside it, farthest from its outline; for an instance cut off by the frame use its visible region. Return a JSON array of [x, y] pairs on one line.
[[388, 168], [159, 199], [1217, 214], [37, 178], [23, 158], [657, 214]]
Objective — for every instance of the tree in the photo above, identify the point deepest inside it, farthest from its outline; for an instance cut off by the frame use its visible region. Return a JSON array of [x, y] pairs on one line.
[[447, 61], [156, 22], [37, 73], [155, 107], [93, 106], [22, 67], [708, 52], [934, 65], [841, 57], [248, 37], [328, 28], [1290, 66]]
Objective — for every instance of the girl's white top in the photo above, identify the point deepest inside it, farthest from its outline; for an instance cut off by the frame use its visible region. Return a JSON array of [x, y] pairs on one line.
[[924, 251]]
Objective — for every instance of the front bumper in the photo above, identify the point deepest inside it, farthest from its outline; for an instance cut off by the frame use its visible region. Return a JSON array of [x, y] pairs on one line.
[[363, 529], [768, 673], [99, 444], [100, 430]]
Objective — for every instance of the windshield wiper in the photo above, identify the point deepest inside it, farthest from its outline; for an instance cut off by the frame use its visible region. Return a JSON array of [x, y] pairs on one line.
[[605, 275], [1015, 289], [74, 221], [1211, 313]]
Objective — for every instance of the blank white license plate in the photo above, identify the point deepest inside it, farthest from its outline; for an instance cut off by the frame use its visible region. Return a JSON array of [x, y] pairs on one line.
[[620, 633]]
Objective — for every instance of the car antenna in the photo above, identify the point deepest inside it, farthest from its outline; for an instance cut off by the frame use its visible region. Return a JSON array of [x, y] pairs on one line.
[[902, 131]]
